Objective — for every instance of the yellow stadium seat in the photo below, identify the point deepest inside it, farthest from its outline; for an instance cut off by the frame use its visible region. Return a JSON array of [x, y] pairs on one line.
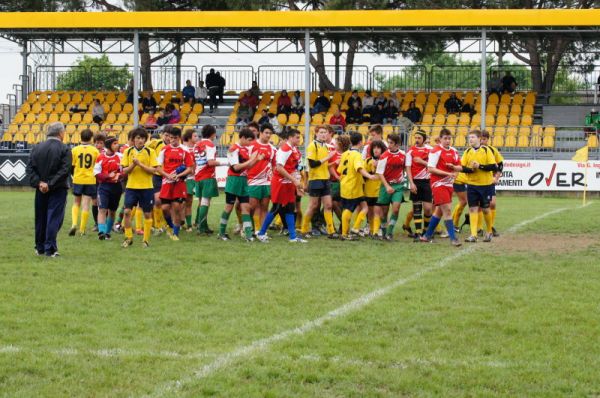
[[440, 108], [110, 118], [337, 98], [19, 118], [526, 120], [593, 141], [503, 109], [421, 98], [436, 130], [493, 99], [491, 109], [469, 98], [116, 108], [524, 131], [65, 118], [518, 99], [198, 109], [433, 98], [530, 99], [439, 119], [427, 119], [42, 99], [429, 109], [548, 142], [317, 119], [527, 110], [550, 130], [76, 118], [490, 120], [460, 141], [364, 130], [41, 118], [122, 118], [502, 120], [94, 127], [70, 128], [513, 120], [523, 141], [498, 141], [36, 108], [476, 120], [293, 119], [464, 119], [59, 108], [505, 99], [127, 108], [87, 118], [512, 131], [510, 141], [30, 118], [192, 119], [54, 98], [515, 109], [452, 120], [48, 107]]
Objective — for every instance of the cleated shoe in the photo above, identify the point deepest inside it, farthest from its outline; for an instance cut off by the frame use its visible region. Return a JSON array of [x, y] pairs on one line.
[[223, 237], [471, 239], [334, 235], [101, 236], [127, 243], [424, 239], [488, 237], [495, 233], [456, 243], [262, 238], [145, 244], [72, 231], [174, 237], [298, 240], [409, 231]]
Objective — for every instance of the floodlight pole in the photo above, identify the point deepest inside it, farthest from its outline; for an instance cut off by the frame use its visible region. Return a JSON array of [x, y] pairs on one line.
[[306, 88], [482, 99], [24, 76], [178, 56], [136, 76]]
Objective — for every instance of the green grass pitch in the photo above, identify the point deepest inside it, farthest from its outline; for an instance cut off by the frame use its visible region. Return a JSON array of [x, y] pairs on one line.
[[200, 317]]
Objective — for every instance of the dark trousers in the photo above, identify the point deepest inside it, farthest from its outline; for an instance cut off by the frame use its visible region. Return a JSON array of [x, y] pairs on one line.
[[49, 215]]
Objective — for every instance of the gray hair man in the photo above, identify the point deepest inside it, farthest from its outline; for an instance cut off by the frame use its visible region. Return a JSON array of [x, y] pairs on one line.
[[48, 171]]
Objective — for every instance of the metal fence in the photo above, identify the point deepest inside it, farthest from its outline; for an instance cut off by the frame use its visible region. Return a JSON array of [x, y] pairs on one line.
[[237, 78]]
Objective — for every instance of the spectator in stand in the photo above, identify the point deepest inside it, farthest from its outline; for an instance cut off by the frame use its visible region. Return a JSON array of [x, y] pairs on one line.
[[129, 92], [98, 112], [212, 83], [254, 90], [377, 114], [298, 103], [354, 98], [264, 118], [151, 121], [394, 100], [201, 93], [162, 118], [274, 122], [380, 100], [509, 83], [338, 121], [368, 103], [496, 85], [390, 113], [148, 102], [354, 114], [284, 103], [247, 107], [172, 113], [221, 84], [413, 113], [188, 92], [321, 104], [453, 104]]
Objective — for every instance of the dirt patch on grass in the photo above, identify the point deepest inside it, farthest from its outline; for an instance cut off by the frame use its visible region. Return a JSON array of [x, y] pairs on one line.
[[543, 243]]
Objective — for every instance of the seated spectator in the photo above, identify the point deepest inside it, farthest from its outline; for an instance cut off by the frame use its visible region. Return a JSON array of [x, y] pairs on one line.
[[298, 103], [509, 83], [468, 108], [98, 112], [354, 114], [221, 84], [413, 113], [453, 104], [354, 98], [264, 118], [201, 93], [188, 92], [321, 104], [151, 121], [496, 85], [377, 114], [338, 121], [390, 113], [368, 102], [380, 100], [284, 103], [148, 102], [162, 119], [274, 122], [394, 100], [248, 105], [172, 113], [254, 90], [129, 91]]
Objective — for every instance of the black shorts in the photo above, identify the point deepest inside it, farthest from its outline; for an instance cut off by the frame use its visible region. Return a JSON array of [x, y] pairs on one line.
[[231, 198], [371, 201], [493, 189], [169, 201], [319, 188], [479, 195], [351, 204], [156, 183], [143, 198], [109, 196], [85, 189], [460, 187], [423, 192]]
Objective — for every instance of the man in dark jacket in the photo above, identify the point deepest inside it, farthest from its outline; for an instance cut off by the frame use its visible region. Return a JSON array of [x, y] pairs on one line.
[[213, 83], [48, 171]]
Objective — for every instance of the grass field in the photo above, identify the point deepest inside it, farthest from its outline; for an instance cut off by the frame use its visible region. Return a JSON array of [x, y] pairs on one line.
[[200, 317]]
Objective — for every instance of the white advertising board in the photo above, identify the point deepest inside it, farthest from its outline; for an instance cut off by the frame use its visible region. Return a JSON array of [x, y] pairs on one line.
[[549, 175]]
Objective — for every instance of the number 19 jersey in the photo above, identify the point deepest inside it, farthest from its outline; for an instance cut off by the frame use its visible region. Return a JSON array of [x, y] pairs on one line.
[[84, 159]]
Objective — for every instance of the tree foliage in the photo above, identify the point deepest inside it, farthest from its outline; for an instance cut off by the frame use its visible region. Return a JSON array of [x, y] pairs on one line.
[[90, 73]]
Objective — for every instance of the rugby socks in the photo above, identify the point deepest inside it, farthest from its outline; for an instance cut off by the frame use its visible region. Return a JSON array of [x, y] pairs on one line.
[[450, 229], [197, 221], [95, 214], [256, 220], [493, 211], [432, 226], [202, 219], [247, 224], [458, 209], [176, 229], [346, 217], [298, 217], [84, 219], [418, 217], [101, 228], [268, 220], [427, 220], [156, 216], [74, 215], [480, 220], [109, 225], [376, 224], [223, 223], [409, 218], [147, 229], [328, 215], [488, 221], [305, 225], [361, 216], [129, 233], [474, 216], [120, 215], [392, 224], [139, 218], [290, 219], [169, 221], [188, 221]]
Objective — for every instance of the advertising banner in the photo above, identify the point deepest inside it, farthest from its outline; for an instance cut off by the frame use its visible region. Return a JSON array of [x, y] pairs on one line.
[[549, 175]]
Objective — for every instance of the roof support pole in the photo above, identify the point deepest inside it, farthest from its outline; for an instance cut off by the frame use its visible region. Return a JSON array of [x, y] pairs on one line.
[[136, 77], [482, 100], [337, 54], [178, 56], [24, 75], [306, 89]]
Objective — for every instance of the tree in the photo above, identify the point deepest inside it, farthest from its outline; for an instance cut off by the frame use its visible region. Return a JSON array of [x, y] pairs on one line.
[[91, 73]]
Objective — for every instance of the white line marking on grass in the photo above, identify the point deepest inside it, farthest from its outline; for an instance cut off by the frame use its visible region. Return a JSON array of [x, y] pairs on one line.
[[106, 352], [262, 344]]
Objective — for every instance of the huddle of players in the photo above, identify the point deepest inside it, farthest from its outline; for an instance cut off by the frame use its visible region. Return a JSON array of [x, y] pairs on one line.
[[160, 177]]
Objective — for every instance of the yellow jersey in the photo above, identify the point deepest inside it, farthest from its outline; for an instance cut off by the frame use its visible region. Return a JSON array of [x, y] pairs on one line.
[[84, 160], [372, 186], [351, 181], [139, 178], [156, 144], [318, 151], [497, 155], [484, 156]]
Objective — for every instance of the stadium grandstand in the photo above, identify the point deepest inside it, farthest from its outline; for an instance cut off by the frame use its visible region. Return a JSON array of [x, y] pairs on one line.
[[522, 123]]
